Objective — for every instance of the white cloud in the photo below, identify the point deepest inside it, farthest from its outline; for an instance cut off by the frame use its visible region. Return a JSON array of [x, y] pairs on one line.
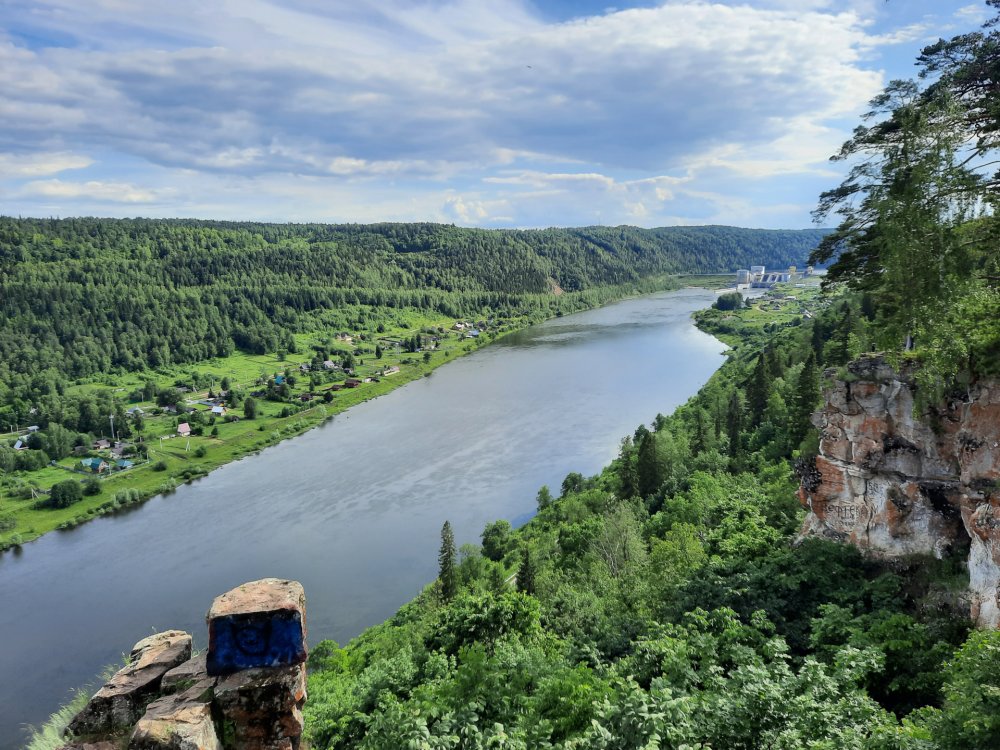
[[972, 14], [93, 190], [40, 164], [465, 106]]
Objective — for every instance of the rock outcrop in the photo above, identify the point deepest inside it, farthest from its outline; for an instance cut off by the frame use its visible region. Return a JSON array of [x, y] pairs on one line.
[[122, 701], [249, 687], [896, 483]]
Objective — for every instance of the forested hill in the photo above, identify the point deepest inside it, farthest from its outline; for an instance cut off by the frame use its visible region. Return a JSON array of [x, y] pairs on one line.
[[86, 296]]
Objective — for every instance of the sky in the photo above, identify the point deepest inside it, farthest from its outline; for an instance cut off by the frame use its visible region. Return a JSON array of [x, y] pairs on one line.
[[508, 113]]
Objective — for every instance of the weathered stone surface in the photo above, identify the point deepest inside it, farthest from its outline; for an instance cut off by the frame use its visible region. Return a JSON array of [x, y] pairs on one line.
[[258, 624], [894, 484], [264, 706], [90, 746], [182, 721], [192, 671], [122, 701]]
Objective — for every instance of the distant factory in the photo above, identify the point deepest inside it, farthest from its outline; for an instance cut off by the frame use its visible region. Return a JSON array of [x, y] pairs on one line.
[[758, 277]]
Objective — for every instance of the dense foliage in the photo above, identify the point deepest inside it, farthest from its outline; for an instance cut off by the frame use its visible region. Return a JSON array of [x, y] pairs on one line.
[[86, 297], [662, 603], [918, 227]]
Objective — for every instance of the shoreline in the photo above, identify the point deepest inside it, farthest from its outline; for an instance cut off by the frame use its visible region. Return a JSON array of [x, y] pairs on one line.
[[122, 493]]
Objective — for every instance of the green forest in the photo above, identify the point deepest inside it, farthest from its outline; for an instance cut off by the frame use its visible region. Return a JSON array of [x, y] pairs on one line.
[[82, 298], [665, 602]]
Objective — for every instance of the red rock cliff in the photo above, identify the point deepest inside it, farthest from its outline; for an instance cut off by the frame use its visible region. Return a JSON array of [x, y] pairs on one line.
[[894, 483]]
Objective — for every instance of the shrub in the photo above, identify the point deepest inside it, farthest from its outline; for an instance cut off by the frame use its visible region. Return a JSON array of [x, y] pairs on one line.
[[92, 486], [65, 493]]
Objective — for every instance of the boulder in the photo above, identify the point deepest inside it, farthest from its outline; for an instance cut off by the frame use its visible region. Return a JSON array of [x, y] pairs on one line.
[[182, 721], [193, 671], [258, 624], [122, 701], [264, 706]]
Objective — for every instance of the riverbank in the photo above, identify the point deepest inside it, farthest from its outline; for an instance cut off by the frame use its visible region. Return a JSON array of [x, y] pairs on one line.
[[352, 509], [161, 458]]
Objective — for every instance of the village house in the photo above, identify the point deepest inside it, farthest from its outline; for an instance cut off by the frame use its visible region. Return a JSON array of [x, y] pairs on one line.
[[101, 445], [391, 370], [95, 465], [219, 411], [123, 464], [329, 364], [20, 445], [352, 382], [184, 429]]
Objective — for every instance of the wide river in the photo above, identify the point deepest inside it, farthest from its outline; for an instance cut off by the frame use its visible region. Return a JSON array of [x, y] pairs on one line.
[[352, 509]]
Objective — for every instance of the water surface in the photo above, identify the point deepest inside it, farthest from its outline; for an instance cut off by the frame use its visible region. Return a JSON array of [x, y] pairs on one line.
[[353, 509]]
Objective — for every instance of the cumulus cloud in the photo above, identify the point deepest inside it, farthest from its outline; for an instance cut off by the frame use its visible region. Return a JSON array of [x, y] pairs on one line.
[[116, 192], [628, 88], [40, 164], [402, 95]]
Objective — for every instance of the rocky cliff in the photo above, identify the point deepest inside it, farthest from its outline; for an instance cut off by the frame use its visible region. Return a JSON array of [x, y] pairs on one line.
[[894, 482]]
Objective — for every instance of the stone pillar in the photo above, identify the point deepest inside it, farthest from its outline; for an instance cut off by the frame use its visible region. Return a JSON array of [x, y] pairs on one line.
[[257, 648]]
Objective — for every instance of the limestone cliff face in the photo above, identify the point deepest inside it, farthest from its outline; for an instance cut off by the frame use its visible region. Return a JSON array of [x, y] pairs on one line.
[[895, 484]]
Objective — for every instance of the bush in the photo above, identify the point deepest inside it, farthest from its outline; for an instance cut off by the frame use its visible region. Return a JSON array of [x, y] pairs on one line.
[[200, 451], [160, 466], [91, 486], [729, 301], [7, 521], [64, 494]]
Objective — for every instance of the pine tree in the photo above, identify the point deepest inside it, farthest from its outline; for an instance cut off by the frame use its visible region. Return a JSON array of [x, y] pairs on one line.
[[700, 439], [526, 573], [758, 390], [775, 367], [840, 352], [446, 564], [734, 428], [806, 396], [650, 465], [817, 340]]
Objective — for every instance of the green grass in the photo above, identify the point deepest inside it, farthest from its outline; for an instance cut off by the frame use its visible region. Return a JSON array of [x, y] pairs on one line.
[[49, 736]]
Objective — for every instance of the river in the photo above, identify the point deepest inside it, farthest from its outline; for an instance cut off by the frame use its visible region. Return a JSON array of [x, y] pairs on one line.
[[354, 508]]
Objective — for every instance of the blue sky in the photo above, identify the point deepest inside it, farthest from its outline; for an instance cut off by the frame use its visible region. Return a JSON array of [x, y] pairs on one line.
[[512, 113]]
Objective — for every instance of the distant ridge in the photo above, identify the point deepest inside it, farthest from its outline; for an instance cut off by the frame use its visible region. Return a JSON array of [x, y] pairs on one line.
[[84, 296]]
